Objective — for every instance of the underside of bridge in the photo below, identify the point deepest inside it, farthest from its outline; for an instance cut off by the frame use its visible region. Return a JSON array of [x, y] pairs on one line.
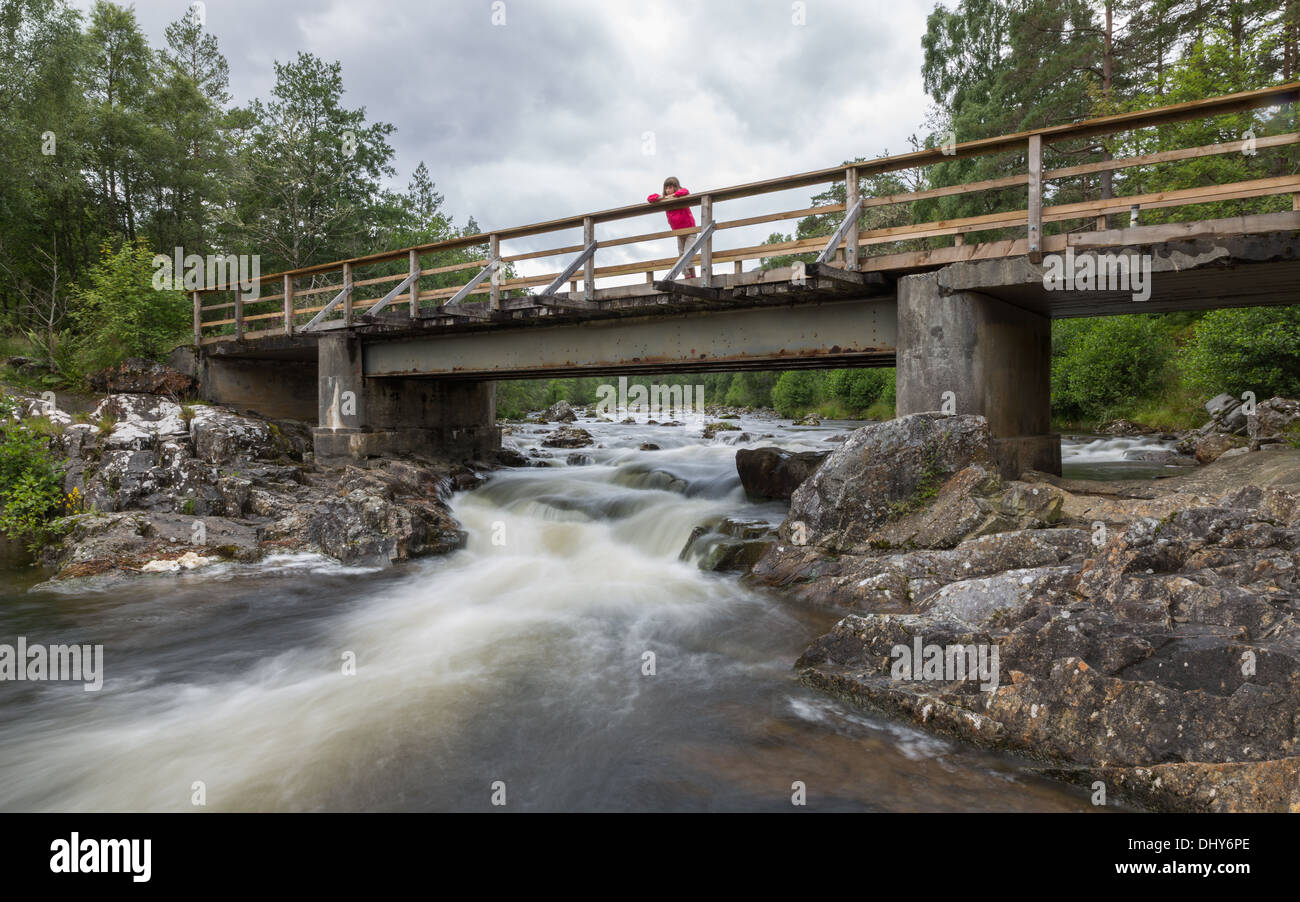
[[969, 337]]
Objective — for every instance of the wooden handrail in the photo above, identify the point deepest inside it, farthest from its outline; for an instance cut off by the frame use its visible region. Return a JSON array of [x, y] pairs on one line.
[[1194, 109], [1031, 217]]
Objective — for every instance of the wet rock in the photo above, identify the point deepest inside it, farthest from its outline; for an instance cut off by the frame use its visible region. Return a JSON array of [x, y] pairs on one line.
[[649, 446], [728, 544], [712, 429], [774, 473], [809, 420], [510, 456], [568, 437], [578, 460], [1160, 456], [560, 412]]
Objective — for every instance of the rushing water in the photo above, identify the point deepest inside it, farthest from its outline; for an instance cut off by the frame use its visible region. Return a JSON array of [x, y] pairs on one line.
[[519, 659]]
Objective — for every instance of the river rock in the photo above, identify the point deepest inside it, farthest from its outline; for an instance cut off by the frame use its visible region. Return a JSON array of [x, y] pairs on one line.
[[1155, 655], [166, 480], [1122, 427], [712, 429], [560, 412], [728, 544], [1210, 447], [774, 473], [568, 437], [1160, 456], [883, 469]]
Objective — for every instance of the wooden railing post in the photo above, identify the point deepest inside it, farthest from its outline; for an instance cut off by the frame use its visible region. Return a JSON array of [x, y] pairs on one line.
[[415, 286], [1035, 198], [198, 319], [851, 239], [347, 294], [706, 252], [1295, 201], [288, 304], [494, 291], [239, 314], [589, 268]]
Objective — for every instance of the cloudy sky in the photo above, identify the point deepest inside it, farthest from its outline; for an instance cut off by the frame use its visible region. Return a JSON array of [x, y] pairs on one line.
[[547, 114]]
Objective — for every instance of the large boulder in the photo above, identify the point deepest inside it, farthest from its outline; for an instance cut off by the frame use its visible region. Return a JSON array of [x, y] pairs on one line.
[[885, 470], [136, 375], [1167, 664], [774, 473], [560, 412], [223, 437]]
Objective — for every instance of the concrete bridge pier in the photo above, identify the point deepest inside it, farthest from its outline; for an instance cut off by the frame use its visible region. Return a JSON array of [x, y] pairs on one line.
[[361, 415], [967, 352]]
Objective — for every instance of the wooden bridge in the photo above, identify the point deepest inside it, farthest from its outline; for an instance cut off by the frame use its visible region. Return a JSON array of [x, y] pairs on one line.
[[376, 321]]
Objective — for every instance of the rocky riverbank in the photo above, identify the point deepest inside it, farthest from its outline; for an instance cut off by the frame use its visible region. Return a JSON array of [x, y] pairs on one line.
[[1146, 632], [157, 485]]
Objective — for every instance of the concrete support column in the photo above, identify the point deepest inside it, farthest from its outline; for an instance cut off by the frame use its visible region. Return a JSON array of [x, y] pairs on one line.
[[994, 359], [341, 400], [364, 416]]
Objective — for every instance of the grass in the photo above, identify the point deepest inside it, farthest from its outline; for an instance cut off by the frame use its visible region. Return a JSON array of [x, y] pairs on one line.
[[106, 423], [1173, 410]]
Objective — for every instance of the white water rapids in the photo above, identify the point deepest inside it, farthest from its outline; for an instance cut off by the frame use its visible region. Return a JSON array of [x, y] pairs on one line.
[[519, 661]]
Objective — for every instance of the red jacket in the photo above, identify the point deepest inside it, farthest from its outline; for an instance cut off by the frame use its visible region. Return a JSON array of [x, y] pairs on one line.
[[680, 218]]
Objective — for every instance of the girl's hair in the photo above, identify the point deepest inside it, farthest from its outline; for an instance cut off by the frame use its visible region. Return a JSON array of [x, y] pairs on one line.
[[671, 184]]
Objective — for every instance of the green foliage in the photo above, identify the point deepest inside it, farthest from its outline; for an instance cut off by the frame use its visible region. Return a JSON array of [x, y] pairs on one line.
[[120, 314], [1101, 362], [794, 392], [31, 484], [1246, 349]]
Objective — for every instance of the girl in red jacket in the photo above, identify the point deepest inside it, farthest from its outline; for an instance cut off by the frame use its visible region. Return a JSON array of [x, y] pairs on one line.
[[680, 218]]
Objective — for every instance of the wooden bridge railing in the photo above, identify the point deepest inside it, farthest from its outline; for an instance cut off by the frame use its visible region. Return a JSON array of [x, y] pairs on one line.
[[329, 295]]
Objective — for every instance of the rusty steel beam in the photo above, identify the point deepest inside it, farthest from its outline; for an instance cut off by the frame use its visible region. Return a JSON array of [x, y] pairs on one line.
[[859, 332]]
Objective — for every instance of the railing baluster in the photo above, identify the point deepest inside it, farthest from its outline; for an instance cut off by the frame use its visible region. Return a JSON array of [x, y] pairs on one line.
[[347, 294], [415, 285], [706, 252], [1035, 198], [239, 314], [589, 268], [288, 304], [494, 292], [851, 239], [198, 319]]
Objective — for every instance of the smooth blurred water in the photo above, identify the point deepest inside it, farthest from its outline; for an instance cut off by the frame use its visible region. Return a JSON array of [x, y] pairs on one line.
[[519, 659]]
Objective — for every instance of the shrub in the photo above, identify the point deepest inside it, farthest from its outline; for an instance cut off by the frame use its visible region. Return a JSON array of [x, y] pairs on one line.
[[31, 484], [794, 392], [858, 389], [1101, 362], [120, 314], [1245, 349]]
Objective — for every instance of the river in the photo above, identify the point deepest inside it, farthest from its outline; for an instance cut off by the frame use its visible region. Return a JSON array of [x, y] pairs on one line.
[[519, 661]]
